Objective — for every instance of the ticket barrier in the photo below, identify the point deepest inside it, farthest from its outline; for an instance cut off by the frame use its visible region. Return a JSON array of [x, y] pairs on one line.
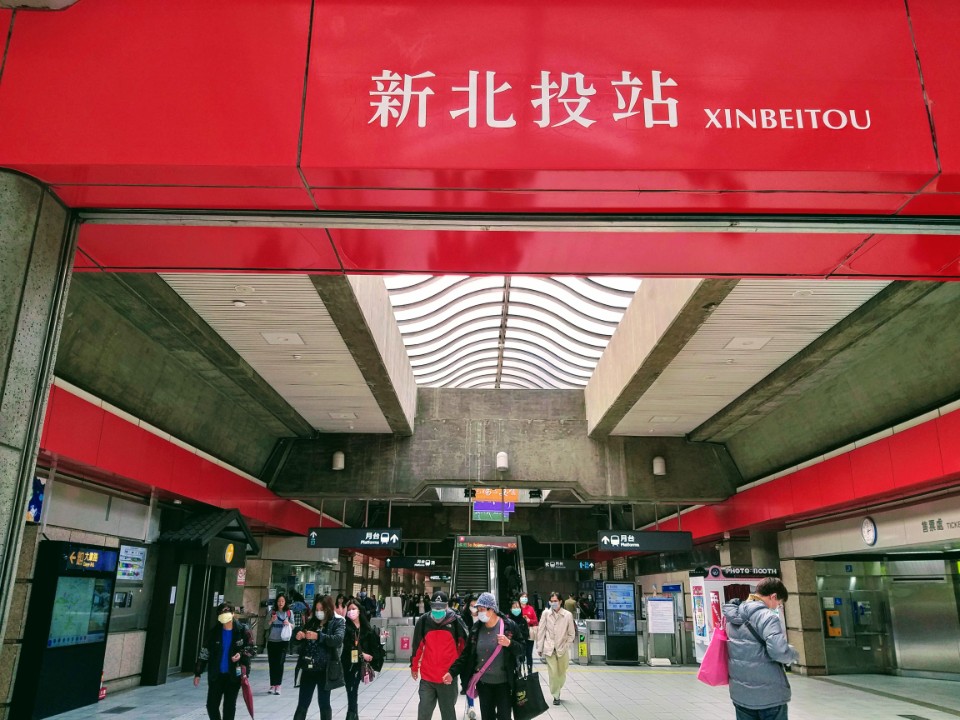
[[583, 642]]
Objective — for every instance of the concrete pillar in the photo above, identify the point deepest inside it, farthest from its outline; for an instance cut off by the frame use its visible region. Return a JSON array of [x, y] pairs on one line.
[[735, 551], [802, 615], [764, 550], [36, 259]]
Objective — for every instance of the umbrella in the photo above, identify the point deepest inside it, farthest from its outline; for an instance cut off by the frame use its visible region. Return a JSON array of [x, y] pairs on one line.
[[246, 690], [299, 607]]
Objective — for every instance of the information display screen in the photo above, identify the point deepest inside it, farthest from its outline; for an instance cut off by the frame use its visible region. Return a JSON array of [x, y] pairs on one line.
[[81, 611], [621, 610]]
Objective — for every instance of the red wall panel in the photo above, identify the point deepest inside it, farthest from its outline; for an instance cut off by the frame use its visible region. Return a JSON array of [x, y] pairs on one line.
[[872, 469], [948, 432], [140, 92], [87, 435], [915, 456]]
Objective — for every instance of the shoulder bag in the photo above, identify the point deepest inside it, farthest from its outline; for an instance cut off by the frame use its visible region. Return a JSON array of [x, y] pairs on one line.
[[715, 667], [472, 687]]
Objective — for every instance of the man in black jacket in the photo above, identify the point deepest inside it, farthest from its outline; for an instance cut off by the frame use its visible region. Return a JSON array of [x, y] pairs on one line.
[[229, 645]]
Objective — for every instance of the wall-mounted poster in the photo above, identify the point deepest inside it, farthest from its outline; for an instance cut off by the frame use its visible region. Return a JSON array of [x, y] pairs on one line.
[[133, 560]]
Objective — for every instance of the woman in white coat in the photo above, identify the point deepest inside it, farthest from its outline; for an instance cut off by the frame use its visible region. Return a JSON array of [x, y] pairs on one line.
[[554, 639]]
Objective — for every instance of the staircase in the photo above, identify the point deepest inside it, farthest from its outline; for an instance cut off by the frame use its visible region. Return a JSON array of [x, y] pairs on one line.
[[471, 571]]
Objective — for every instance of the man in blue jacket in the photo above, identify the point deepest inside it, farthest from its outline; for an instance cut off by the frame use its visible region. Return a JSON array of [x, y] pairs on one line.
[[758, 650]]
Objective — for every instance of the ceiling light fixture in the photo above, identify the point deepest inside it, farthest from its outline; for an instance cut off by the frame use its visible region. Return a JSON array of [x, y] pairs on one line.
[[245, 289], [239, 303]]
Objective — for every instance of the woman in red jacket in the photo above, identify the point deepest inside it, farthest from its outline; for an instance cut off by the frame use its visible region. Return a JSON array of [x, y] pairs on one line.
[[531, 617]]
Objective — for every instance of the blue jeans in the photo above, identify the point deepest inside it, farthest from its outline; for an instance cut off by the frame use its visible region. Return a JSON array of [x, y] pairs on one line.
[[310, 681], [775, 713]]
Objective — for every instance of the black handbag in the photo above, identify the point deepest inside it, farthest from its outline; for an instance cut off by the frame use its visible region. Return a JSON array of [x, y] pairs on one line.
[[528, 700]]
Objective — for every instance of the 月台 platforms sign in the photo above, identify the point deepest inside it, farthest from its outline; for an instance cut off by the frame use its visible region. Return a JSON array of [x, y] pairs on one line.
[[673, 95]]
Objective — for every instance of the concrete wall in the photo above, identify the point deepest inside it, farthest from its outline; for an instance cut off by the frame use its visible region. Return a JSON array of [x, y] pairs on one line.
[[459, 433]]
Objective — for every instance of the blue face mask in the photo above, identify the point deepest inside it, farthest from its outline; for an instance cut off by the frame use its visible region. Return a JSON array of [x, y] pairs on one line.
[[515, 611], [438, 614]]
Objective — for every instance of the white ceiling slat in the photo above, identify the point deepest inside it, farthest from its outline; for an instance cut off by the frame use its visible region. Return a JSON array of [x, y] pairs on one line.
[[706, 376], [325, 379]]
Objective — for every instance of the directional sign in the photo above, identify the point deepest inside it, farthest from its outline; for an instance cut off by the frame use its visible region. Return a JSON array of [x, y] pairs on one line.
[[411, 562], [557, 565], [491, 516], [508, 542], [382, 538], [587, 565], [645, 541], [494, 507], [497, 495]]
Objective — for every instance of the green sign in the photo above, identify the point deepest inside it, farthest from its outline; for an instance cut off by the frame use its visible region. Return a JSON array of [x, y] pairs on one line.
[[491, 516]]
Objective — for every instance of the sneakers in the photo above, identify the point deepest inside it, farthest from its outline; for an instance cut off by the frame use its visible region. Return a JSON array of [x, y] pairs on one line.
[[471, 714], [556, 701], [276, 690], [272, 689]]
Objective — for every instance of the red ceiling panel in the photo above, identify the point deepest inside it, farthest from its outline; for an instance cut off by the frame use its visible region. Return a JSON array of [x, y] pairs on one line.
[[872, 469], [933, 204], [915, 454], [696, 254], [745, 54], [187, 198], [948, 431], [172, 92], [139, 247], [431, 200], [936, 26], [72, 427], [907, 255]]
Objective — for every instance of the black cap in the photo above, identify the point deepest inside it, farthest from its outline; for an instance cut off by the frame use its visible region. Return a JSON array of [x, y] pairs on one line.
[[439, 600]]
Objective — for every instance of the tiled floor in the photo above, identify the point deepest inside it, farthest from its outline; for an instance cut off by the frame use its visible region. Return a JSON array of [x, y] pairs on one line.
[[596, 692]]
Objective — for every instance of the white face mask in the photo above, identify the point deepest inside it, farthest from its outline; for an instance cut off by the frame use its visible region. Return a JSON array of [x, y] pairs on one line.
[[224, 618], [555, 605], [473, 609], [321, 615], [353, 614], [523, 600], [483, 617]]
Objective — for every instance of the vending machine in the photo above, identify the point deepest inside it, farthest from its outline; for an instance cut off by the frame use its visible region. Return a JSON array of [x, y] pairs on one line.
[[711, 589], [61, 659]]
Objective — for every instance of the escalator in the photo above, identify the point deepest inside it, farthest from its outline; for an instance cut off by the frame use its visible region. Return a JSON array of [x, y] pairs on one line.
[[471, 571]]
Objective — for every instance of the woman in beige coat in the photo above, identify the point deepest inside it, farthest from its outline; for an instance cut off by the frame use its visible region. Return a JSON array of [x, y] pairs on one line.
[[554, 638]]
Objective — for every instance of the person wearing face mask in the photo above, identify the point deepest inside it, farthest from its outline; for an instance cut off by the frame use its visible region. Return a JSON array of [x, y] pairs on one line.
[[530, 614], [554, 637], [758, 650], [469, 616], [319, 665], [438, 640], [361, 644], [229, 645], [490, 660], [280, 618]]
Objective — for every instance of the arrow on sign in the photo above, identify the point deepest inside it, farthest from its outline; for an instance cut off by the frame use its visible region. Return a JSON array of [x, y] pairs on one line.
[[394, 538], [605, 540]]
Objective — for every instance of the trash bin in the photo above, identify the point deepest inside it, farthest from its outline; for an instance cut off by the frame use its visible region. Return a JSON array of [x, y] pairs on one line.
[[402, 642], [583, 643]]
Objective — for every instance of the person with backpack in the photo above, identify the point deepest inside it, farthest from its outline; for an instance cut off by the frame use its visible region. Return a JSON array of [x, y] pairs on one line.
[[361, 646], [758, 650], [495, 650], [439, 638]]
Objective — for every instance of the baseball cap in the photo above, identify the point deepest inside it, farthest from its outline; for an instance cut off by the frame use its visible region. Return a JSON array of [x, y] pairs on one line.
[[438, 601]]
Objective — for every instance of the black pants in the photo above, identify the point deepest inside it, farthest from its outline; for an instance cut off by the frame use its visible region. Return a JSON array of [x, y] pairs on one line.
[[352, 679], [222, 687], [277, 655], [311, 680], [495, 701], [530, 644]]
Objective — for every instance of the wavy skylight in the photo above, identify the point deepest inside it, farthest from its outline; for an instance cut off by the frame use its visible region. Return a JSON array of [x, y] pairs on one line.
[[507, 332]]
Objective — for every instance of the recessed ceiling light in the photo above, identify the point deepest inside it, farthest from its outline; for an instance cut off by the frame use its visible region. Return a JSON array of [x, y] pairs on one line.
[[239, 303], [804, 293], [297, 357], [280, 338], [747, 343], [245, 289]]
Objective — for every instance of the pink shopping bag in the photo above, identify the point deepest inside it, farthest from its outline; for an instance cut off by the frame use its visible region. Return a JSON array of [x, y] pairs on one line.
[[714, 669]]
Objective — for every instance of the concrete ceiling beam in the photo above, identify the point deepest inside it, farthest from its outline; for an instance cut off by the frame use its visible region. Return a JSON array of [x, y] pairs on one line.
[[658, 323], [360, 308]]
